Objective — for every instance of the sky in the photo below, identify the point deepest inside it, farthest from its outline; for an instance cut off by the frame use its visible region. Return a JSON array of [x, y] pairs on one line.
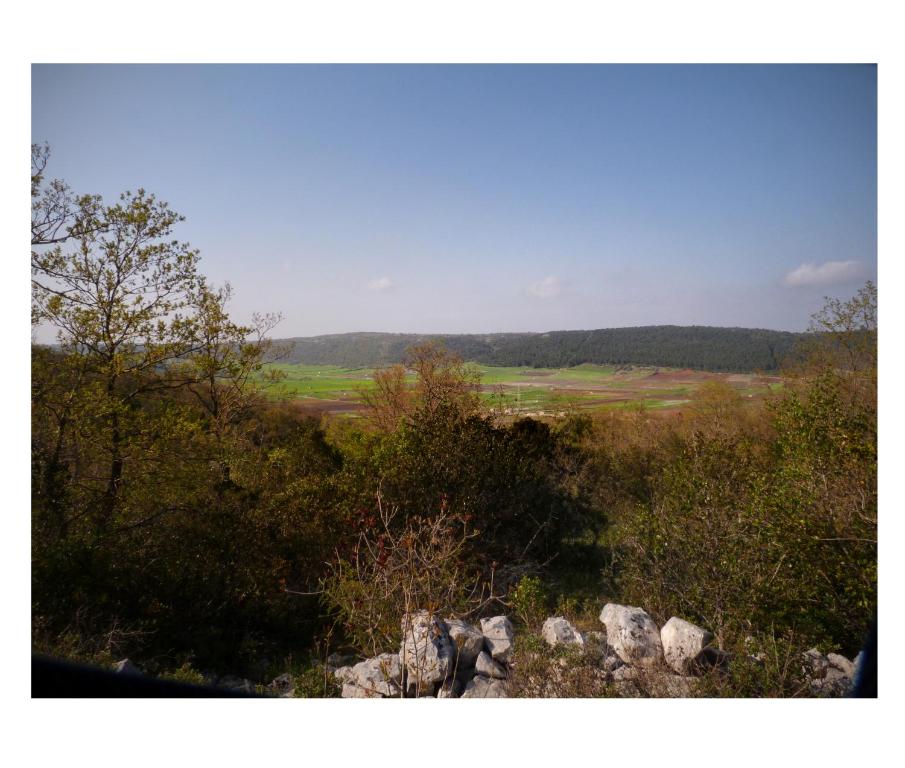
[[477, 199]]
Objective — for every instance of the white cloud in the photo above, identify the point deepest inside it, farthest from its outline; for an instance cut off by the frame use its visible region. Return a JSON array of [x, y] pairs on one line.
[[547, 288], [381, 285], [828, 273]]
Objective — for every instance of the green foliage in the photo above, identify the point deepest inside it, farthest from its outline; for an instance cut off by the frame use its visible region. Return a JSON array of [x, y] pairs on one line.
[[700, 347], [529, 600], [186, 673], [315, 682]]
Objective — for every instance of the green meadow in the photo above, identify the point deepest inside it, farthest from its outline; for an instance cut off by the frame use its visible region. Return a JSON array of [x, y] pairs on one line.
[[510, 389]]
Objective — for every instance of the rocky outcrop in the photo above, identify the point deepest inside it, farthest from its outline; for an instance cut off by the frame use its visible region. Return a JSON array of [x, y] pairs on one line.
[[632, 634], [634, 657], [445, 659]]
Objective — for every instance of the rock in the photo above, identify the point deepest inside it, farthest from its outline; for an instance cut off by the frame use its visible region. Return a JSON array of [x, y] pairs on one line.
[[451, 689], [842, 664], [682, 643], [488, 667], [343, 674], [831, 686], [352, 691], [498, 637], [126, 667], [486, 688], [558, 631], [381, 675], [282, 685], [633, 634], [815, 663], [612, 663], [428, 653], [468, 639]]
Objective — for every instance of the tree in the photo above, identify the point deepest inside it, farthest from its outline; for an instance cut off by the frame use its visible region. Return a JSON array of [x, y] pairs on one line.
[[444, 387], [118, 300], [224, 372]]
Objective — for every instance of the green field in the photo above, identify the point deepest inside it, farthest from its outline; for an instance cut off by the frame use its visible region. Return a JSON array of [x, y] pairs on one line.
[[522, 390]]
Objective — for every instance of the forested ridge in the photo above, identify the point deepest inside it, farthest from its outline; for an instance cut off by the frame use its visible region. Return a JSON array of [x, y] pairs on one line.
[[699, 347]]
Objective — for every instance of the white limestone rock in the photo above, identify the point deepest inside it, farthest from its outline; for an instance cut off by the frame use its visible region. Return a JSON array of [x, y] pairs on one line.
[[815, 663], [352, 691], [486, 688], [381, 675], [487, 667], [468, 639], [498, 637], [682, 643], [343, 674], [428, 653], [558, 631], [126, 667], [841, 664], [632, 634]]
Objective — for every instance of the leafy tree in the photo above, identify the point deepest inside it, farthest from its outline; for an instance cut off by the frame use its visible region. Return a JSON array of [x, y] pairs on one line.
[[118, 302]]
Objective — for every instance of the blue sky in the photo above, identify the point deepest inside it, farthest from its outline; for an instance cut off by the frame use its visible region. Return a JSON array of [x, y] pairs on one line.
[[492, 198]]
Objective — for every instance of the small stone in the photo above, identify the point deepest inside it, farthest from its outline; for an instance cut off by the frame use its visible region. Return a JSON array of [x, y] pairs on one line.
[[468, 639], [633, 634], [282, 685], [682, 643], [488, 667], [126, 667], [498, 637], [352, 691], [842, 664], [558, 631], [381, 675], [486, 688], [815, 663]]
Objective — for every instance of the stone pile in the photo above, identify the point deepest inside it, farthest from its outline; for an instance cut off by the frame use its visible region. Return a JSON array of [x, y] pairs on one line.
[[438, 658], [451, 658]]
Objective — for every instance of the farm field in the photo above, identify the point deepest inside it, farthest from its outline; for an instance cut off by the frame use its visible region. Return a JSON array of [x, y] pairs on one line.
[[540, 392]]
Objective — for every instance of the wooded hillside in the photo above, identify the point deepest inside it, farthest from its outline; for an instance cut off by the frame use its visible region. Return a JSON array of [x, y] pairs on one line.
[[701, 347]]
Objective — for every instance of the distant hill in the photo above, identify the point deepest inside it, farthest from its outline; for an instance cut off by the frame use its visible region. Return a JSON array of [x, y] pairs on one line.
[[700, 347]]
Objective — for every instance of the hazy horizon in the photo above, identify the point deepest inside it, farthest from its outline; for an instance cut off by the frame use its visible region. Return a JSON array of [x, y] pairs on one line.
[[536, 333], [491, 199]]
